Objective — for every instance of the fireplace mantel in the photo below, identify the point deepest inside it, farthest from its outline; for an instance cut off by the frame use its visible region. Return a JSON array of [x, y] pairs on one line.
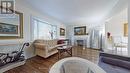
[[81, 42]]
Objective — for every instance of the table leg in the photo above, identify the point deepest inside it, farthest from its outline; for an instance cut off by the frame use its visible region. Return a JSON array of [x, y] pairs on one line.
[[71, 51], [58, 55]]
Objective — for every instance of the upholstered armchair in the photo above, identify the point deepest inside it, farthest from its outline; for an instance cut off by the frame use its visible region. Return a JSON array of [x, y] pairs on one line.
[[45, 48]]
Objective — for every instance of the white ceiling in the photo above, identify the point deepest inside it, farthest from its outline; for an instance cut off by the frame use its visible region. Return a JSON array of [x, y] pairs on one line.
[[75, 11]]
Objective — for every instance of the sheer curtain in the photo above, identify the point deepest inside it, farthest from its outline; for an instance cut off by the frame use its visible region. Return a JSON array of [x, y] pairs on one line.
[[43, 30]]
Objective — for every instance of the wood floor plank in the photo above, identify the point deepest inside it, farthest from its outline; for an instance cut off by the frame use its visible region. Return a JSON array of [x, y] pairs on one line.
[[41, 65]]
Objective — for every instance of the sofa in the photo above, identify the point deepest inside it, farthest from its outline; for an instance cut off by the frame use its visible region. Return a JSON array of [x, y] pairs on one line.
[[114, 63], [45, 48]]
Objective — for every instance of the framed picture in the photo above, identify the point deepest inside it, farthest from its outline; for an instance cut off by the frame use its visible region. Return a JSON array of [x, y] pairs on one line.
[[126, 29], [8, 28], [12, 27], [62, 32], [80, 30]]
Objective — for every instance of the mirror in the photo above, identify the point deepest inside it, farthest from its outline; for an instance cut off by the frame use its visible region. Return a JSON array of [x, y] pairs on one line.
[[11, 27]]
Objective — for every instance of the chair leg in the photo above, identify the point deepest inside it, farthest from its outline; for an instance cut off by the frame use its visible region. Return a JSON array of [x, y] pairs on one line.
[[115, 49], [58, 55]]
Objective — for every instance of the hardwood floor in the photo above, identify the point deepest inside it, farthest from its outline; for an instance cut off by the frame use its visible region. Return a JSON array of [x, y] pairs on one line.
[[41, 65]]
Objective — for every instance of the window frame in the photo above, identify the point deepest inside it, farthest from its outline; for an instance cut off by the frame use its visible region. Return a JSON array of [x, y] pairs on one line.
[[33, 19]]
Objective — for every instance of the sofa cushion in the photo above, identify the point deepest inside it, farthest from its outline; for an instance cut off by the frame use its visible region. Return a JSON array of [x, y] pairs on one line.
[[38, 41], [104, 54], [39, 46], [52, 50], [111, 68], [116, 62]]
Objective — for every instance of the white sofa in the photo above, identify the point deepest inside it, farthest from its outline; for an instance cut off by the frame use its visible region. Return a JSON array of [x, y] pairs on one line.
[[45, 48], [75, 65]]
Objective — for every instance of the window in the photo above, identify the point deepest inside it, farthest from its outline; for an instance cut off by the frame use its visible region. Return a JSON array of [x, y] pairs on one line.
[[43, 30]]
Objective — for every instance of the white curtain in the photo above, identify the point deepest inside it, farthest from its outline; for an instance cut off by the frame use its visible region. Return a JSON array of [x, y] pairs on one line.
[[95, 39], [43, 30]]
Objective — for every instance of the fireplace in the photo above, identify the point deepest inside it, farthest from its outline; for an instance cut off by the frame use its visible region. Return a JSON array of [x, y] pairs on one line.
[[80, 42]]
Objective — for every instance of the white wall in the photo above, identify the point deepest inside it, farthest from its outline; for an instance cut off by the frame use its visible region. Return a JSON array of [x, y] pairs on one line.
[[28, 11], [70, 31], [115, 25], [129, 28]]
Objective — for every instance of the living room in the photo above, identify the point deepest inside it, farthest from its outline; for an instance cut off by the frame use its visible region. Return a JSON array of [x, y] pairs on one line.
[[92, 30]]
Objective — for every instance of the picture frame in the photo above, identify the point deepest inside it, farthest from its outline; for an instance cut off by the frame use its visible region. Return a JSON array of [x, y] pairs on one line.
[[126, 29], [62, 32], [12, 30], [80, 30], [8, 28]]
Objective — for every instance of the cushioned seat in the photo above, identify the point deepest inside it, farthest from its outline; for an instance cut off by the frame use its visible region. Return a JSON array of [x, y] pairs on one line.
[[75, 65]]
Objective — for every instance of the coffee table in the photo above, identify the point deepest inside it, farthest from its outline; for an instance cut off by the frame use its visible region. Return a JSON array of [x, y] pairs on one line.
[[63, 49]]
